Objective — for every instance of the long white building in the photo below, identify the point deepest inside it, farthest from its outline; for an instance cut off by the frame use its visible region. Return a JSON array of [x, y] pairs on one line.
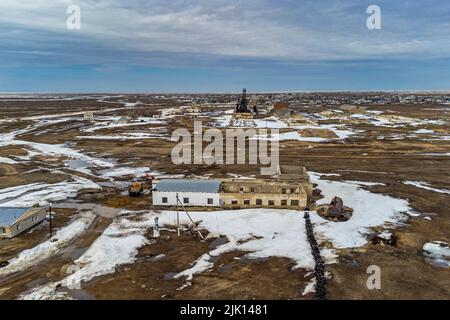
[[191, 193]]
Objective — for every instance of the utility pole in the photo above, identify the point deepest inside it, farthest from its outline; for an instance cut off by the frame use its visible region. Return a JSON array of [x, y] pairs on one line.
[[50, 218], [178, 217]]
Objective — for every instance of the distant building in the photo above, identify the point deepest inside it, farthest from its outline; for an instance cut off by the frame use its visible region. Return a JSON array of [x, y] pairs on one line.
[[352, 108], [123, 119], [263, 193], [14, 221], [88, 116], [192, 110], [279, 105], [295, 173], [291, 190], [202, 193]]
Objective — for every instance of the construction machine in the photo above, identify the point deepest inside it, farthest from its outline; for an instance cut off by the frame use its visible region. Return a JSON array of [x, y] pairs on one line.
[[135, 189]]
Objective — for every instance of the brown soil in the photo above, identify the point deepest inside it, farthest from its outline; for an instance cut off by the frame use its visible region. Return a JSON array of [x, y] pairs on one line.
[[318, 133], [362, 157]]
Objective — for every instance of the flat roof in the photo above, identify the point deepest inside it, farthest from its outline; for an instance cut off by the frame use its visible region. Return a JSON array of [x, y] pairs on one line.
[[9, 215], [188, 185]]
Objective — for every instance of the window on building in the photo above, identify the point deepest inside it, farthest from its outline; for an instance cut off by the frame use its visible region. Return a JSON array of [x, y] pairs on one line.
[[210, 201], [18, 227], [164, 199], [252, 189], [271, 203], [247, 202], [283, 191], [242, 189], [2, 230], [294, 202], [284, 202], [258, 202], [292, 190], [185, 200], [234, 202]]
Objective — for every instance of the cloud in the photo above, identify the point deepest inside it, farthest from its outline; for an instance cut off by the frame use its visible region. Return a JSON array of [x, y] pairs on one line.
[[281, 30]]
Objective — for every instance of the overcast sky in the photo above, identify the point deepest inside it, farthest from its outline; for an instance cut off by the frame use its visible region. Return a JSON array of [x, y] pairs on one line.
[[223, 45]]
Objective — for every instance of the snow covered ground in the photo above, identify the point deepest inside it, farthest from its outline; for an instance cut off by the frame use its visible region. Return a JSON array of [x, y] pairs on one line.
[[426, 186], [127, 136], [369, 210], [45, 250], [118, 245], [43, 193], [112, 123], [261, 233], [437, 253], [7, 160], [124, 171], [342, 133]]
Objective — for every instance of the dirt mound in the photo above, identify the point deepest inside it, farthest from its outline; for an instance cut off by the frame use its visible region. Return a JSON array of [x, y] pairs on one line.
[[319, 133], [7, 170]]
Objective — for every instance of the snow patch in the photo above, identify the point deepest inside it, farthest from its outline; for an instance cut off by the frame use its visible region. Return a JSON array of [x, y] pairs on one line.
[[45, 250]]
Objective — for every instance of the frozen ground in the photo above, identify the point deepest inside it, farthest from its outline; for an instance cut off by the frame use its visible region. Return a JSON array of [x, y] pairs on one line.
[[118, 245], [426, 186], [45, 250], [437, 253], [43, 193], [369, 210]]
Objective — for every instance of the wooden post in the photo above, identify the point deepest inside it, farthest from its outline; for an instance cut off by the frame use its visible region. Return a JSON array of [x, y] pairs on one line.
[[50, 218], [178, 217]]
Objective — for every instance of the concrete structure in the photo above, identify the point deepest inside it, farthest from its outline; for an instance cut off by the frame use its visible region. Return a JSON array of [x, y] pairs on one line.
[[352, 108], [192, 110], [123, 120], [88, 116], [291, 190], [262, 193], [14, 221], [191, 193], [299, 174]]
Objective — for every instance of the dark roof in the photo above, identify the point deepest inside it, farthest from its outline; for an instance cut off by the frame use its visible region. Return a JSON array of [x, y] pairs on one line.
[[10, 215], [187, 185]]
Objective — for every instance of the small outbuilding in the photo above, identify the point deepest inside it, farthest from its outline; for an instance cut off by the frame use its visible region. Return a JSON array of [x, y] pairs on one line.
[[14, 221], [190, 192]]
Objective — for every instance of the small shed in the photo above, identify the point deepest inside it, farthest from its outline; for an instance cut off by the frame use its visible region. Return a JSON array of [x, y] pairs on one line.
[[191, 192], [123, 119], [14, 221], [89, 115]]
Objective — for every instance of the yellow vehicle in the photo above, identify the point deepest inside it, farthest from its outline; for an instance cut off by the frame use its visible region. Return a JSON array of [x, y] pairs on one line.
[[135, 189]]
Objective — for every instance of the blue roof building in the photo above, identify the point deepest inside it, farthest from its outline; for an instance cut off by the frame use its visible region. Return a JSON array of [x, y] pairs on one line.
[[187, 192], [16, 220]]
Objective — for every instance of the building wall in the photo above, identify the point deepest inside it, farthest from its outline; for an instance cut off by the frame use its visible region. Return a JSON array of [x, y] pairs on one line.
[[24, 224], [228, 198], [263, 194], [195, 199]]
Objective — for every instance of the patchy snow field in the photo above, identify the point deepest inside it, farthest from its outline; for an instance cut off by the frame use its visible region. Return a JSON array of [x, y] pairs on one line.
[[437, 253], [43, 193], [118, 245], [426, 186], [369, 210], [45, 250]]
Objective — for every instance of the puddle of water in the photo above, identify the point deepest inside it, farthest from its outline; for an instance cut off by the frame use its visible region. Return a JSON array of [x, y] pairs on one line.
[[225, 268], [247, 259], [218, 242], [78, 164], [78, 294], [170, 275], [72, 252], [97, 209]]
